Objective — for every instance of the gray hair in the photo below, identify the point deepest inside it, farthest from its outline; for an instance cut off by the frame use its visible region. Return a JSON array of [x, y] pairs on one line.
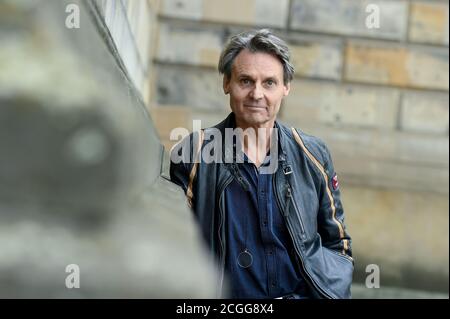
[[256, 41]]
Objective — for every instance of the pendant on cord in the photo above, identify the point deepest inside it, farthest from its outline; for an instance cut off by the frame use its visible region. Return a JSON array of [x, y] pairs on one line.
[[245, 259]]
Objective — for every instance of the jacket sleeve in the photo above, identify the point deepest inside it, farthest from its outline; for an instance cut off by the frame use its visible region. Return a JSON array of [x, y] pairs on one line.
[[183, 166], [331, 225], [179, 175], [180, 155]]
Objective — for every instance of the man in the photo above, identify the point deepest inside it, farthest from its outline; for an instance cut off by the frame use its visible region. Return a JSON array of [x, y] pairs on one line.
[[268, 203]]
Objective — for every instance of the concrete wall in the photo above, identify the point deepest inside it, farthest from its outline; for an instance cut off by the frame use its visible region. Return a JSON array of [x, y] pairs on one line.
[[80, 167], [132, 26], [378, 97]]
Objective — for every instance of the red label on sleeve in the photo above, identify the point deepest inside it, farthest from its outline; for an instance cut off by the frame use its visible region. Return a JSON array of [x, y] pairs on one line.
[[335, 182]]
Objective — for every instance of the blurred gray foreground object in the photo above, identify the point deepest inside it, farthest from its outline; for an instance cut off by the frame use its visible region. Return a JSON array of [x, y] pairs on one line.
[[80, 170]]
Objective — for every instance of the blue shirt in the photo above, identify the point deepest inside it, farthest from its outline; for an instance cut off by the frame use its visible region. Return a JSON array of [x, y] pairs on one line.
[[254, 222]]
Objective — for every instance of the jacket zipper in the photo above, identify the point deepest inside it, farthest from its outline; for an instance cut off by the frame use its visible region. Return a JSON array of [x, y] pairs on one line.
[[289, 199], [349, 258], [309, 278], [222, 244]]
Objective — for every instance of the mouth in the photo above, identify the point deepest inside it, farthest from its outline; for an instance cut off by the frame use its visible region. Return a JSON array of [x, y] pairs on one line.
[[261, 107]]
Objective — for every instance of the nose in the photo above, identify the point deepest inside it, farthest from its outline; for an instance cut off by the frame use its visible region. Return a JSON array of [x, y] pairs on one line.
[[257, 92]]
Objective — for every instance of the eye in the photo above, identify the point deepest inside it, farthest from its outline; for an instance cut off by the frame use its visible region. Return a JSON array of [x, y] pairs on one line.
[[245, 81], [270, 82]]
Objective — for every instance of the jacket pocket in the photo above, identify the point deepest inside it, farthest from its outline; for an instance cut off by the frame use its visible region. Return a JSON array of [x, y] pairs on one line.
[[333, 271], [341, 255]]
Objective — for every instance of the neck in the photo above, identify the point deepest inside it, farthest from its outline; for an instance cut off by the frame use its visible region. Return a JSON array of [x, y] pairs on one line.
[[267, 125], [256, 145]]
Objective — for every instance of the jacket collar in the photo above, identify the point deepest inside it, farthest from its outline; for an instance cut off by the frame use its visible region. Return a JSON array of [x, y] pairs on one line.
[[230, 122]]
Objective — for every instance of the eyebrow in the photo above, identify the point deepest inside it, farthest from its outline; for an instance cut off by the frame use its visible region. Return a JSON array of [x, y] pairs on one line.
[[244, 75]]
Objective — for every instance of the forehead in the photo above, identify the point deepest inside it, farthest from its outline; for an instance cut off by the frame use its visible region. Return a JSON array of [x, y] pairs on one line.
[[257, 64]]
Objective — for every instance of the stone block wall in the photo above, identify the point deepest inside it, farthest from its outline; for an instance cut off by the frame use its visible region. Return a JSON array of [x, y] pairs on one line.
[[377, 96]]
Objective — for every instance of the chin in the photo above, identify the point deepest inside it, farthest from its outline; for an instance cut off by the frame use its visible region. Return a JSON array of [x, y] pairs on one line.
[[255, 119], [252, 118]]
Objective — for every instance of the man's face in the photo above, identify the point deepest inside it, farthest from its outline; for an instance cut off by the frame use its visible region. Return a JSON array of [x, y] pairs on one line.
[[256, 88]]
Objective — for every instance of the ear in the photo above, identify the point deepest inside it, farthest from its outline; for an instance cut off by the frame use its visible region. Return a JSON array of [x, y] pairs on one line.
[[226, 85], [287, 89]]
